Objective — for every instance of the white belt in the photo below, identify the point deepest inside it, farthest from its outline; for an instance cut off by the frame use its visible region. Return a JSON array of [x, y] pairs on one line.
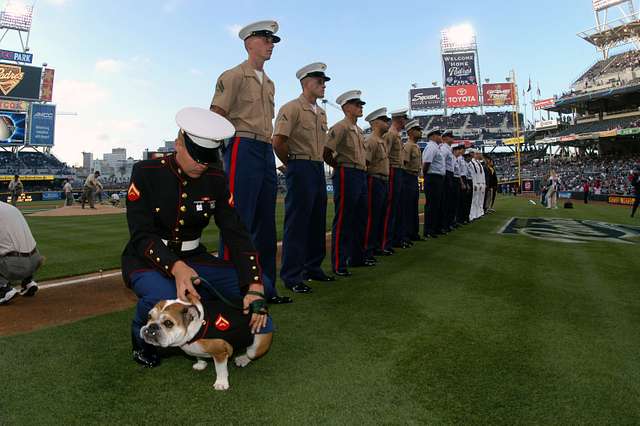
[[186, 245]]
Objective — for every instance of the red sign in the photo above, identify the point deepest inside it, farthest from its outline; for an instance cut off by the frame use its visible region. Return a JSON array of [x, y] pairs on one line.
[[498, 94], [14, 105], [46, 90], [462, 96], [544, 103]]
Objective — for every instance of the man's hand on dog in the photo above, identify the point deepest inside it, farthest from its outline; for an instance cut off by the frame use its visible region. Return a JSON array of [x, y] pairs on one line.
[[183, 274], [258, 322]]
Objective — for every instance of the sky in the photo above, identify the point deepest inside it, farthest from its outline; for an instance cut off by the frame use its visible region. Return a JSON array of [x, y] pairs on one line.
[[126, 67]]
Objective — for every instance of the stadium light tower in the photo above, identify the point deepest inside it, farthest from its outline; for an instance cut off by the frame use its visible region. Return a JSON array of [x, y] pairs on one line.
[[16, 16], [617, 24]]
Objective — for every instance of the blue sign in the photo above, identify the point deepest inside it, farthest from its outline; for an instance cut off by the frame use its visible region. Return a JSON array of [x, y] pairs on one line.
[[9, 55], [51, 195], [42, 124]]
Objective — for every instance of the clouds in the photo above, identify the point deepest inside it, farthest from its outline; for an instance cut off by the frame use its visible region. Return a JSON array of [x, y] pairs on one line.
[[77, 94], [110, 66], [234, 29]]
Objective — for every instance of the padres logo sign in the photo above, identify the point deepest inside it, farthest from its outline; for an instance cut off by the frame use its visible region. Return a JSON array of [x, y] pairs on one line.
[[571, 230], [10, 77]]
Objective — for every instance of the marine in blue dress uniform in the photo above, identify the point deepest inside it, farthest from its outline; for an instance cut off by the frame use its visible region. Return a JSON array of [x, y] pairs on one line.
[[169, 203], [245, 95], [299, 140]]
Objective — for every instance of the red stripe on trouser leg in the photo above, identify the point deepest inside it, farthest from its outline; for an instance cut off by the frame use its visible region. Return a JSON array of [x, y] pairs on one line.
[[369, 213], [340, 215], [232, 170], [387, 216]]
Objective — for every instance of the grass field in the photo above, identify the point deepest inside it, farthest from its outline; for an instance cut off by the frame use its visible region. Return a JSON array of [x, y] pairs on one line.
[[83, 244], [473, 328]]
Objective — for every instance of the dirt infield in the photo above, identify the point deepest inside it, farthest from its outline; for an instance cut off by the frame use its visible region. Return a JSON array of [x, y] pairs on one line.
[[76, 210], [65, 304]]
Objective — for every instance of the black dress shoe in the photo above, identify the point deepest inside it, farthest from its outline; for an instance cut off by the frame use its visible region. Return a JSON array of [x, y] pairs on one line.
[[279, 300], [371, 259], [406, 245], [342, 273], [379, 252], [319, 277], [300, 288], [146, 357], [430, 236], [391, 250]]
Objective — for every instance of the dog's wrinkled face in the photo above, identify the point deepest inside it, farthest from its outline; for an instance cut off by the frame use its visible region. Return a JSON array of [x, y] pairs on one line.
[[168, 323]]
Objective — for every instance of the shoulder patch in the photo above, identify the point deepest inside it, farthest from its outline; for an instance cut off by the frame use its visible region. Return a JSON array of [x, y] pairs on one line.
[[220, 86], [133, 194]]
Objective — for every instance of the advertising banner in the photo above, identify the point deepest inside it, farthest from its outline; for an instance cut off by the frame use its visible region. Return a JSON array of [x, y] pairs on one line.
[[459, 69], [20, 81], [544, 103], [546, 124], [514, 141], [12, 127], [568, 138], [46, 93], [425, 98], [10, 55], [12, 105], [42, 124], [608, 133], [462, 96], [498, 94], [631, 131], [618, 199], [51, 195]]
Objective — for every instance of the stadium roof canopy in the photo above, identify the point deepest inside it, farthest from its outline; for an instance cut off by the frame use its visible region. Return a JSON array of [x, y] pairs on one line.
[[601, 100], [617, 35]]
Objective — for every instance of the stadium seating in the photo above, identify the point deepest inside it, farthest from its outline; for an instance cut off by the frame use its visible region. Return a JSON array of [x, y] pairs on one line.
[[616, 71], [606, 174], [33, 163]]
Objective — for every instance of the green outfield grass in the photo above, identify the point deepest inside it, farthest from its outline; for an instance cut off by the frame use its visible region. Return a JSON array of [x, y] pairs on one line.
[[473, 328], [83, 244]]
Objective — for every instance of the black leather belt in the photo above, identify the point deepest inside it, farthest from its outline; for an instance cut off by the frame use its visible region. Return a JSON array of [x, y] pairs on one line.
[[19, 254]]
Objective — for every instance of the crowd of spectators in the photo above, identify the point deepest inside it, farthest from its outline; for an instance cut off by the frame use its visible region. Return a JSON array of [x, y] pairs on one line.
[[32, 163], [606, 174]]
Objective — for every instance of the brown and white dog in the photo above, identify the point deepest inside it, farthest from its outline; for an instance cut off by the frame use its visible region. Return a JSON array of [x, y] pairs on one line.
[[187, 325]]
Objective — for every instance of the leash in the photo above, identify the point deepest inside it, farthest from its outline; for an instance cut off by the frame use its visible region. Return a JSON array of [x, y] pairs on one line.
[[257, 306]]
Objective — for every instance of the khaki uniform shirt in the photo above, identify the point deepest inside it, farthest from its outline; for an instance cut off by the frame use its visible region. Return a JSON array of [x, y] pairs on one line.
[[394, 148], [346, 140], [306, 130], [377, 156], [412, 158], [249, 104]]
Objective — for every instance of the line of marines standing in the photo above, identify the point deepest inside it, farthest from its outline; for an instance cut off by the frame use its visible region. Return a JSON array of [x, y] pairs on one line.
[[375, 187]]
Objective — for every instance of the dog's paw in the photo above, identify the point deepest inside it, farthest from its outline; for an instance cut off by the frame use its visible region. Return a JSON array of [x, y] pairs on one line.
[[200, 365], [242, 360], [221, 385]]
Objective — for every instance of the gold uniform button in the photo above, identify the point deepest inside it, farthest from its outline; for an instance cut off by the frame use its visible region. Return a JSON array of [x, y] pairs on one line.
[[206, 215], [256, 278], [166, 266], [183, 209], [157, 259], [162, 161], [254, 267], [177, 229], [179, 171], [150, 251], [184, 195], [251, 258], [184, 183], [181, 222], [157, 209]]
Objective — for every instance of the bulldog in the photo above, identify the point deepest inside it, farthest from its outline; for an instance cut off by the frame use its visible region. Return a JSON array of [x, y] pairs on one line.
[[208, 329]]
